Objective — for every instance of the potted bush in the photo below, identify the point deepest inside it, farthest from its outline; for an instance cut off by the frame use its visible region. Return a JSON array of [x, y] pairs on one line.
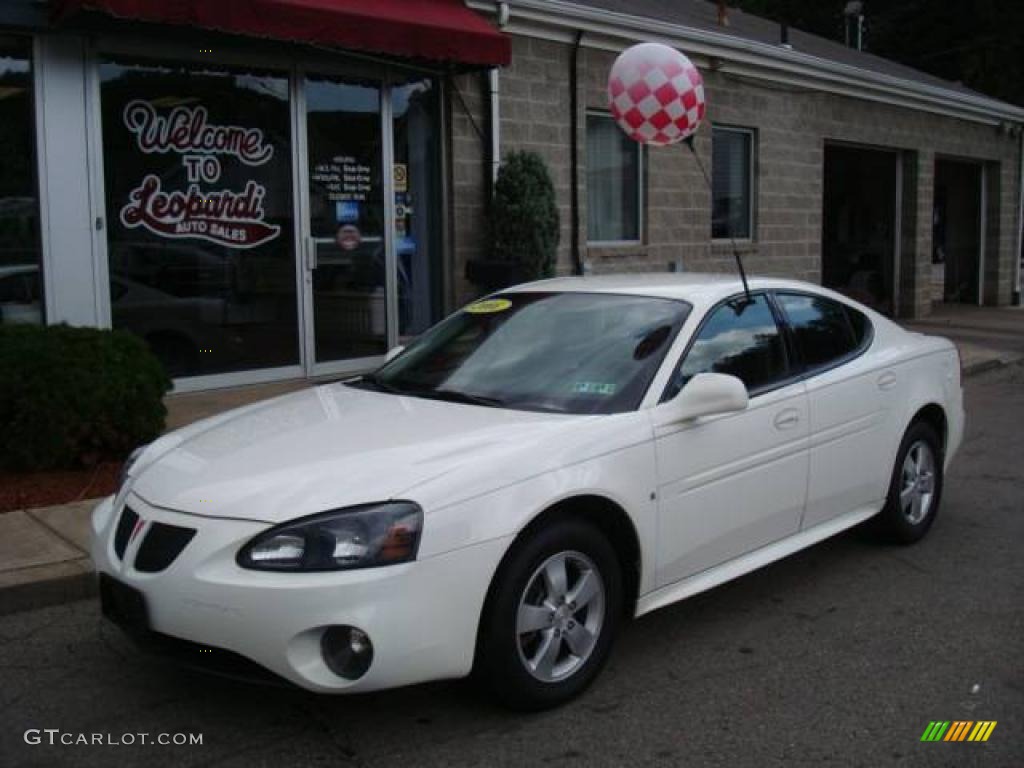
[[523, 226]]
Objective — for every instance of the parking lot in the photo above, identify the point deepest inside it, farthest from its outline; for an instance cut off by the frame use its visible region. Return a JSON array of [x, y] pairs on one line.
[[840, 655]]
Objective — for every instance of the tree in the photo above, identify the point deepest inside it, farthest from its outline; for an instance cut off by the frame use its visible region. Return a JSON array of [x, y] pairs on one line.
[[524, 216], [977, 42]]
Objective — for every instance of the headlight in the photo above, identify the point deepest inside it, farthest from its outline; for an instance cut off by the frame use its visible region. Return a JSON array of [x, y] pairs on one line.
[[355, 537], [127, 466]]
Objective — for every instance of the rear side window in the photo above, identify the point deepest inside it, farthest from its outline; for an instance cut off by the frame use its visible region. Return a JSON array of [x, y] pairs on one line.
[[739, 338], [823, 332]]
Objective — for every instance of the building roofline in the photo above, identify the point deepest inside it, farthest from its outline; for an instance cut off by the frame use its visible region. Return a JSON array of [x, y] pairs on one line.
[[559, 20]]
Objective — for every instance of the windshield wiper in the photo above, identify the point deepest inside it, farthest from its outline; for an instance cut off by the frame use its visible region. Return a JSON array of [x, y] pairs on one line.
[[450, 395], [455, 396], [374, 381]]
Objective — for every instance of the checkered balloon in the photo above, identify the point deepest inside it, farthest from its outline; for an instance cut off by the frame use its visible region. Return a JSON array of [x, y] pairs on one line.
[[656, 94]]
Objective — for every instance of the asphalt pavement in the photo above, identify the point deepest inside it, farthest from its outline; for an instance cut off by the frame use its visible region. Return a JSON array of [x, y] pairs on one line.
[[840, 655]]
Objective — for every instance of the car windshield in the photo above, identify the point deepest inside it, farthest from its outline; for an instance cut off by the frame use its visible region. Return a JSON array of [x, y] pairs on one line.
[[578, 353]]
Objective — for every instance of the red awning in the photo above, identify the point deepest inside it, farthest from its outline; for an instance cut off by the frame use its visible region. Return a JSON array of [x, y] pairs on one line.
[[438, 30]]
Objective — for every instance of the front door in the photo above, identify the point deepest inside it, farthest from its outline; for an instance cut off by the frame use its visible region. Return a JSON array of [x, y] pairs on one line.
[[730, 484], [347, 251]]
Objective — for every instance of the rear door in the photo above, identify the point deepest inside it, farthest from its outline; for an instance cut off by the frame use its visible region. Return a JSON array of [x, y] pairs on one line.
[[847, 395], [733, 483]]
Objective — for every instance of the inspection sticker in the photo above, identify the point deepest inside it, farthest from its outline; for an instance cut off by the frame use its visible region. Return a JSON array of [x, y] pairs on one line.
[[487, 306], [593, 388]]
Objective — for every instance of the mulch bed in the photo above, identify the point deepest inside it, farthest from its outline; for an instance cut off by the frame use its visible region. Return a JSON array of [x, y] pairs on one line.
[[44, 489]]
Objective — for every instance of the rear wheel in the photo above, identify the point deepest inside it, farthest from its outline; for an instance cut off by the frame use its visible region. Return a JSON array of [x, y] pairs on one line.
[[915, 489], [554, 610]]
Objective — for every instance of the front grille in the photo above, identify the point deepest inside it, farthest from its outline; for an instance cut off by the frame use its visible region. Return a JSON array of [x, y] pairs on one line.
[[207, 658], [123, 534], [162, 544]]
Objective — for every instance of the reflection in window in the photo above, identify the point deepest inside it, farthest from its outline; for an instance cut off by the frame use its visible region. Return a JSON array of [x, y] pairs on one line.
[[417, 210], [613, 182], [820, 327], [21, 297], [563, 352], [741, 339], [732, 172], [346, 199], [199, 194]]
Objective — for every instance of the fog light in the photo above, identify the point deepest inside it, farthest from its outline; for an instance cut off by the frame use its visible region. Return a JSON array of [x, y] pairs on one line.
[[347, 651]]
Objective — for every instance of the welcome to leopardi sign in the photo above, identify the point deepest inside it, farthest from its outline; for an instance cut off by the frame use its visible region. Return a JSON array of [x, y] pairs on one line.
[[233, 218]]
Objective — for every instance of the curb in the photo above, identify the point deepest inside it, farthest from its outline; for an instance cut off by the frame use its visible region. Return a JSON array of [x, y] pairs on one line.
[[985, 366], [43, 593], [82, 585]]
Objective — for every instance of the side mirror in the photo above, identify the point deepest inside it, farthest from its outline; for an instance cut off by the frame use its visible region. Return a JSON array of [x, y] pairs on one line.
[[393, 353], [706, 394]]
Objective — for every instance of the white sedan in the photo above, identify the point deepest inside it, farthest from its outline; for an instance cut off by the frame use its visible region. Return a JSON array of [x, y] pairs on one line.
[[542, 465]]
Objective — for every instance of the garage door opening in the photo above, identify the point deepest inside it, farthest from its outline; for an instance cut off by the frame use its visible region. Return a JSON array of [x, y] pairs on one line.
[[860, 226], [957, 231]]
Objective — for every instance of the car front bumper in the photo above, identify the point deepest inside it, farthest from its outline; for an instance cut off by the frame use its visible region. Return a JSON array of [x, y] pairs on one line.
[[421, 617]]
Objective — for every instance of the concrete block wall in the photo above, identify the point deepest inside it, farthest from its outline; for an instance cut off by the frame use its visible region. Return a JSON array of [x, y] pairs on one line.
[[792, 125]]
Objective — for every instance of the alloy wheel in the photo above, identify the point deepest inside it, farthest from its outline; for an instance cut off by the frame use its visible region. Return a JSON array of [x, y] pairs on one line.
[[560, 616], [917, 489]]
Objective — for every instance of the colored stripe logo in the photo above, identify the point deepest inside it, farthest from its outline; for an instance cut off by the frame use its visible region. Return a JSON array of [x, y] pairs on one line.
[[958, 730]]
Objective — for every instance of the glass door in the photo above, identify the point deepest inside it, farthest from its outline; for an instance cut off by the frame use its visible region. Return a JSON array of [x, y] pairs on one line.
[[349, 288]]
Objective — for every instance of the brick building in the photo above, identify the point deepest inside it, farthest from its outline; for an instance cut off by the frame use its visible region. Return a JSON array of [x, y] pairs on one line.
[[293, 191], [874, 178]]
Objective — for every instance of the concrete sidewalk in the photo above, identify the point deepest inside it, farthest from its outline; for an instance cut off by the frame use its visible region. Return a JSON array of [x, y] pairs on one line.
[[987, 337], [44, 552]]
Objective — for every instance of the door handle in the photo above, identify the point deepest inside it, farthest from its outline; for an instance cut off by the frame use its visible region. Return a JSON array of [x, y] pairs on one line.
[[786, 419], [310, 253], [887, 380]]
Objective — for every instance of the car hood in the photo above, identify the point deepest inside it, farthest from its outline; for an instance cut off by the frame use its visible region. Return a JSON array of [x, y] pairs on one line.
[[324, 448]]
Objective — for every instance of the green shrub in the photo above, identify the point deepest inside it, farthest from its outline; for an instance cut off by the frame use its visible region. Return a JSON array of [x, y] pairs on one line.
[[524, 215], [73, 396]]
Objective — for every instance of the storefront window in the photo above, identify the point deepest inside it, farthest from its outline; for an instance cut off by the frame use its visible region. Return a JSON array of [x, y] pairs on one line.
[[200, 214], [418, 206], [21, 299]]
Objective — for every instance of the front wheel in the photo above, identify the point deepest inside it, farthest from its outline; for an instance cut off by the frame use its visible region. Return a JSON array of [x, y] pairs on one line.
[[915, 488], [553, 613]]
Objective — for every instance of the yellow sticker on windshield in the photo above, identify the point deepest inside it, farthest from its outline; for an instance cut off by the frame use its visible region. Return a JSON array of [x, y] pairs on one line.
[[488, 306]]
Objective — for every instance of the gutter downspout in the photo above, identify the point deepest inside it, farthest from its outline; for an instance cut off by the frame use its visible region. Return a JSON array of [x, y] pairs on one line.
[[494, 95], [1019, 256], [574, 161]]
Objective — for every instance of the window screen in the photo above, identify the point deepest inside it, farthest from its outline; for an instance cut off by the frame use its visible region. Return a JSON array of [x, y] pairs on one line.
[[732, 171], [613, 182]]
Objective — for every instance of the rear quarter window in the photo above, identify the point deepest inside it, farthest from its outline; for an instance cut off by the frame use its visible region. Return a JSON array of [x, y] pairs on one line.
[[860, 325]]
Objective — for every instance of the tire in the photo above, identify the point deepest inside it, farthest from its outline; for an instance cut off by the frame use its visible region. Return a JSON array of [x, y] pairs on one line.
[[564, 643], [915, 489]]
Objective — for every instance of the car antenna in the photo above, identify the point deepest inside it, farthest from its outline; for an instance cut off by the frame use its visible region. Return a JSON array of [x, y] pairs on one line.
[[735, 249]]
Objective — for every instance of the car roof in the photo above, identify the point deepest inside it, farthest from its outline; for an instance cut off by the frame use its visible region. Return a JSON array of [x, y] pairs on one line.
[[697, 288]]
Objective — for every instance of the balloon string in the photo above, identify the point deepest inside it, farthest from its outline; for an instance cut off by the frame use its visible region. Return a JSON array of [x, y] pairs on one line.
[[732, 239]]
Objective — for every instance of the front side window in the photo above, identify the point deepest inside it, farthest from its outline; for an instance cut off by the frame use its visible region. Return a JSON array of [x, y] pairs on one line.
[[739, 338], [732, 166], [20, 283], [558, 352], [821, 329], [613, 182]]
